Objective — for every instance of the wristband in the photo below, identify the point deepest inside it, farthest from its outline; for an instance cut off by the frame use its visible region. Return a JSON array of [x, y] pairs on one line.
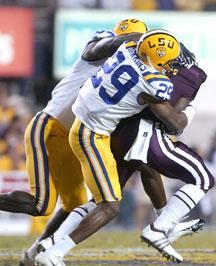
[[189, 112]]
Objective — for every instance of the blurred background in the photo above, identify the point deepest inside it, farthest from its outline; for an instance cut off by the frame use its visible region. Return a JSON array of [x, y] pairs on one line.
[[39, 42]]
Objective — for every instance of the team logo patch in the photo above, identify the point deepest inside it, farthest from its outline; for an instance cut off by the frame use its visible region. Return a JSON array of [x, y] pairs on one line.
[[123, 26], [161, 51]]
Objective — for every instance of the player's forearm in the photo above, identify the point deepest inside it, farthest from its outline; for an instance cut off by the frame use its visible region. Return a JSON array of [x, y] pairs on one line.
[[106, 47], [173, 120], [111, 46], [181, 104]]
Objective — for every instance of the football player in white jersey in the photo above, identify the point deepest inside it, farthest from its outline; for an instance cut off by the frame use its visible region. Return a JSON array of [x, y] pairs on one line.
[[118, 90]]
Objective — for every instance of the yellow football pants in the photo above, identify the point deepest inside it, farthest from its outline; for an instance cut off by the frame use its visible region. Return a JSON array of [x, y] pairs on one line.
[[97, 161], [52, 167]]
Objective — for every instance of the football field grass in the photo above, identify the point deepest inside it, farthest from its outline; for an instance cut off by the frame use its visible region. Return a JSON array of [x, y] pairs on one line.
[[119, 248]]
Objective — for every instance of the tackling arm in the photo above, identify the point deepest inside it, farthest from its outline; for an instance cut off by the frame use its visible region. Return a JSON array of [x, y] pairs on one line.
[[181, 104], [173, 120], [103, 48], [186, 85]]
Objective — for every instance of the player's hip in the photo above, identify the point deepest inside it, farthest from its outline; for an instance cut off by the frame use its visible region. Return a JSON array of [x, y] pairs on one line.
[[49, 161], [97, 161], [82, 136], [46, 125]]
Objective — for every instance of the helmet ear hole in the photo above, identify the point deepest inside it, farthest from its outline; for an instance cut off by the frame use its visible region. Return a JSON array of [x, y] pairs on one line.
[[159, 64]]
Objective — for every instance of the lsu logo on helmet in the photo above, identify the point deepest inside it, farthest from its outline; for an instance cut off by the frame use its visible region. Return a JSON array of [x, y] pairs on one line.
[[159, 46], [161, 51], [130, 26]]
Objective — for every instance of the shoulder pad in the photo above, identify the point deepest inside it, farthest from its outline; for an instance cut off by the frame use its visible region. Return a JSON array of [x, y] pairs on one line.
[[160, 85]]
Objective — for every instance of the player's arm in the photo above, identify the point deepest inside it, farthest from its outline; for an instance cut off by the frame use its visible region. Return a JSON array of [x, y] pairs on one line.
[[157, 94], [172, 119], [186, 85], [181, 104], [105, 47]]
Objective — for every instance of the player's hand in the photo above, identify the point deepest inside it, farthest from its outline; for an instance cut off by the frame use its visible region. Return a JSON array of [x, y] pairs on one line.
[[186, 58], [169, 132]]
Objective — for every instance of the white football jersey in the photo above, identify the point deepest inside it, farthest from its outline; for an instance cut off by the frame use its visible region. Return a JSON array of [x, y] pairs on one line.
[[66, 91], [113, 93]]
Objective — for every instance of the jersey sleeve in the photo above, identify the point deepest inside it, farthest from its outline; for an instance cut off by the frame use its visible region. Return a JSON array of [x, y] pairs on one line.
[[100, 34], [159, 86]]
